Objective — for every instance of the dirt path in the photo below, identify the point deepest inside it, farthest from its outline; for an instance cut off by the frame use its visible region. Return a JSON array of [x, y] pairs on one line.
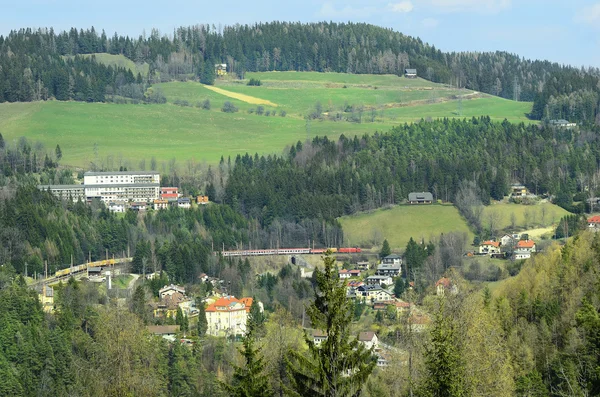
[[242, 97], [132, 281]]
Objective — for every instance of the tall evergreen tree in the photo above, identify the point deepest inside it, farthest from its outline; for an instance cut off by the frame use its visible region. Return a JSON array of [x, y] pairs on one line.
[[340, 366], [385, 249], [58, 153], [249, 380], [202, 325], [256, 320]]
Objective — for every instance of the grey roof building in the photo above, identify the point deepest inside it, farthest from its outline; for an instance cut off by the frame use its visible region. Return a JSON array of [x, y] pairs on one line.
[[420, 198]]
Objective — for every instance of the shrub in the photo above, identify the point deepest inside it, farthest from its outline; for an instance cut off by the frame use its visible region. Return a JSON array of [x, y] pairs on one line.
[[254, 82], [268, 113], [260, 110], [229, 107], [282, 113], [206, 104]]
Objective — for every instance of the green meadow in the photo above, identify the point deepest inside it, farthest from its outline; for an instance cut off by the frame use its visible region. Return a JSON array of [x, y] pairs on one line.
[[97, 132], [399, 223], [525, 216]]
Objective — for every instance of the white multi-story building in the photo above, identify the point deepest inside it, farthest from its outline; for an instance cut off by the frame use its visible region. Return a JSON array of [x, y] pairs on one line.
[[141, 186]]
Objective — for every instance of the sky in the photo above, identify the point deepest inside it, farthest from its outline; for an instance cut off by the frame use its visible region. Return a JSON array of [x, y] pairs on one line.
[[567, 32]]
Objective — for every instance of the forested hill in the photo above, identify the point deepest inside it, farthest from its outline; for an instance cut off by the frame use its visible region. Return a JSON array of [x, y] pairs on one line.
[[463, 161], [33, 63]]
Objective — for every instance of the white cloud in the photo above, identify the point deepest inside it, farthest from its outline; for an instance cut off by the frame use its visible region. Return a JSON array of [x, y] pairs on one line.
[[328, 10], [403, 6], [430, 23], [478, 6], [590, 15]]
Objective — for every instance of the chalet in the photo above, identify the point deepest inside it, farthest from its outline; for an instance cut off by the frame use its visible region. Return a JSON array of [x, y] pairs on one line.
[[344, 274], [562, 123], [379, 280], [410, 73], [373, 292], [518, 191], [594, 223], [525, 246], [169, 193], [391, 265], [116, 206], [369, 339], [363, 265], [170, 290], [489, 247], [202, 200], [355, 273], [184, 202], [161, 204], [508, 240], [319, 337], [420, 198], [445, 285], [221, 69]]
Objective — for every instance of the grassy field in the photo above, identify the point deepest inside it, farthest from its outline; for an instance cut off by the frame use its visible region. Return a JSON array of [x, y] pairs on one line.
[[120, 61], [126, 134], [542, 216], [400, 223]]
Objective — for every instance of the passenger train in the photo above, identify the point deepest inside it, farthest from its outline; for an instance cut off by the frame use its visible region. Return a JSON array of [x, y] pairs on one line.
[[289, 251]]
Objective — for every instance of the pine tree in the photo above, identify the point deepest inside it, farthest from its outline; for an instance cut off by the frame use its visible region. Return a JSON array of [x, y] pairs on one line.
[[445, 369], [202, 323], [58, 153], [138, 305], [250, 380], [339, 366], [2, 144], [256, 319], [385, 249]]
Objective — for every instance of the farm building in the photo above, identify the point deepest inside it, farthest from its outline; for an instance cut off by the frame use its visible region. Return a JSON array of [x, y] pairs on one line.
[[594, 223], [420, 198], [221, 69], [410, 73], [562, 123]]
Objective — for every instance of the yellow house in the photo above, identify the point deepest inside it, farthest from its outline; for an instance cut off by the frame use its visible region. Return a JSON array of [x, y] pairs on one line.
[[227, 316], [47, 298], [221, 69]]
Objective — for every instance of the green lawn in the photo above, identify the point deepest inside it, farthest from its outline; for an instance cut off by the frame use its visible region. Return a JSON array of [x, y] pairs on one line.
[[121, 282], [402, 222], [126, 134], [525, 216], [120, 61]]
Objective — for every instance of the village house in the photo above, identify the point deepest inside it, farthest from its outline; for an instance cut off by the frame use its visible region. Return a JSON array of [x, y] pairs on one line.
[[594, 223], [46, 297], [363, 265], [373, 292], [116, 206], [351, 288], [221, 69], [420, 198], [171, 290], [508, 240], [518, 255], [228, 316], [169, 193], [444, 285], [319, 337], [161, 204], [518, 191], [525, 246], [355, 273], [418, 321], [184, 203], [167, 332], [401, 306], [202, 200], [489, 247], [379, 280], [391, 265], [138, 206], [562, 123], [344, 274], [410, 73], [369, 339], [203, 277]]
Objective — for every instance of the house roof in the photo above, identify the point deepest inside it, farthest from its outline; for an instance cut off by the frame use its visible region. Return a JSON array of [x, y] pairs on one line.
[[594, 219], [171, 287], [183, 200], [230, 303], [344, 271], [445, 281], [410, 71], [425, 196], [247, 302], [401, 304], [354, 271], [163, 329], [393, 256], [366, 336], [492, 243], [355, 284], [317, 333], [525, 244]]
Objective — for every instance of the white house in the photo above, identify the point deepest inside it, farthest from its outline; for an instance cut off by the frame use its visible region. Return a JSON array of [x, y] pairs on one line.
[[344, 274], [170, 290], [116, 206], [391, 265], [369, 339], [319, 337], [489, 247], [518, 254], [594, 223], [525, 246], [379, 280], [184, 202], [373, 292]]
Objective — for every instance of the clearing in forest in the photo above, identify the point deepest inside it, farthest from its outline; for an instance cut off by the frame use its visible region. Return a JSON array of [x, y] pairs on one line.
[[242, 97]]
